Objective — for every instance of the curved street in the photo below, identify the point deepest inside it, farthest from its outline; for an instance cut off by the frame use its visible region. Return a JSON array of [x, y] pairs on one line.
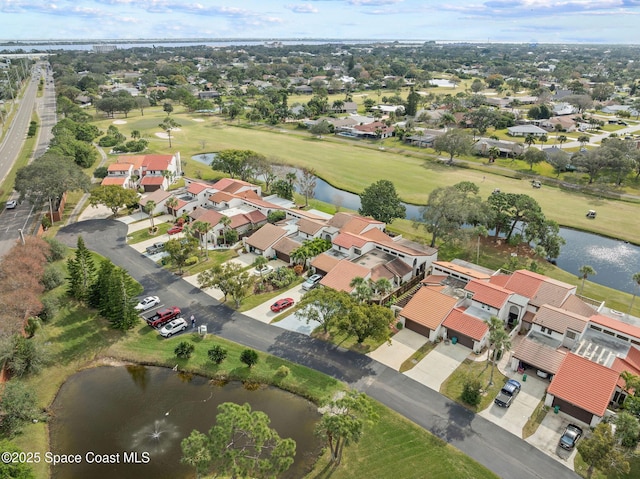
[[507, 455]]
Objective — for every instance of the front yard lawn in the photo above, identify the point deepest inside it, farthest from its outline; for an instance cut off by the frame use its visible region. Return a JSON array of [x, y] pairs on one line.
[[143, 234], [418, 356], [216, 257], [254, 300], [452, 387]]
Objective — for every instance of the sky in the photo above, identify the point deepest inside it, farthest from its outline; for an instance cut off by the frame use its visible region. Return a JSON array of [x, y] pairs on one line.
[[542, 21]]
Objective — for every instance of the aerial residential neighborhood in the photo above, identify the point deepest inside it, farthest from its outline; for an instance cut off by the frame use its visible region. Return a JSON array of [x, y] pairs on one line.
[[432, 243]]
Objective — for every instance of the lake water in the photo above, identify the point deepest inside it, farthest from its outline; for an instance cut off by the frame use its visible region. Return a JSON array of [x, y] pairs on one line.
[[614, 261], [138, 409]]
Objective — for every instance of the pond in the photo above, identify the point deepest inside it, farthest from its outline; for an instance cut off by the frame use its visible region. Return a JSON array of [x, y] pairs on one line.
[[614, 261], [138, 409]]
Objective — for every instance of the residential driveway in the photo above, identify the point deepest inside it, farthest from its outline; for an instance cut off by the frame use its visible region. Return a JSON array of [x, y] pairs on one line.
[[263, 312], [516, 416], [403, 344], [135, 223], [439, 364], [193, 280], [548, 434], [294, 323], [99, 212]]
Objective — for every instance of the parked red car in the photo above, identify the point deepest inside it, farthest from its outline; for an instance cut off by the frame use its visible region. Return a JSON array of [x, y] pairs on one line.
[[281, 304], [174, 230]]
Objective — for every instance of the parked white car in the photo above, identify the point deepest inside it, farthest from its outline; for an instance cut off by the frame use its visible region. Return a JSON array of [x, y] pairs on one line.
[[311, 282], [148, 302], [11, 204], [173, 327]]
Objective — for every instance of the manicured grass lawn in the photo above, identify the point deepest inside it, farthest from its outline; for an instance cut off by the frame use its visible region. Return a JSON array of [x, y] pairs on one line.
[[393, 447], [144, 235], [347, 166], [216, 258], [535, 420], [254, 300], [453, 385], [417, 356], [348, 342]]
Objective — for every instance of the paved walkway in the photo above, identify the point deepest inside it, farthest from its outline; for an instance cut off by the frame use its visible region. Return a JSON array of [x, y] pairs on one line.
[[438, 365], [401, 347]]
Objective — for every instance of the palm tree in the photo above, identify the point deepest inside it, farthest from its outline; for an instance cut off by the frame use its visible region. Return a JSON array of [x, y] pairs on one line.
[[382, 287], [447, 119], [148, 209], [636, 279], [225, 221], [362, 291], [494, 152], [561, 139], [498, 341], [172, 204], [530, 140], [585, 271], [259, 263], [543, 139], [202, 228]]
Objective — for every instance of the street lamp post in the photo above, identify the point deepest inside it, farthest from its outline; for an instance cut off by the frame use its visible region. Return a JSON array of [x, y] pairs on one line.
[[21, 236]]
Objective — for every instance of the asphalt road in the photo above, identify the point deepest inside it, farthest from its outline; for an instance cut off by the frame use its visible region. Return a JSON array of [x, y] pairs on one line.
[[507, 455], [23, 216]]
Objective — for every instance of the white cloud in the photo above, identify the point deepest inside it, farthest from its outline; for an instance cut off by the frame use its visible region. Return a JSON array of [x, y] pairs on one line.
[[302, 8]]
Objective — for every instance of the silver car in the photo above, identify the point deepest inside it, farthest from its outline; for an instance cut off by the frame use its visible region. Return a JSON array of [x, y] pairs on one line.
[[173, 327]]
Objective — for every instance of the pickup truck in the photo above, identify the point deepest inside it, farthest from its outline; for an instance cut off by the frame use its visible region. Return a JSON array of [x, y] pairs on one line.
[[508, 393], [163, 316], [155, 248]]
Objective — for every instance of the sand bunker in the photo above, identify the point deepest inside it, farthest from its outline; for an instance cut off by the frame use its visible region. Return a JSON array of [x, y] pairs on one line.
[[164, 135], [197, 119], [119, 122]]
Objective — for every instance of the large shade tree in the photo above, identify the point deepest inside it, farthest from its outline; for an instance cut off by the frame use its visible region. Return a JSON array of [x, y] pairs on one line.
[[381, 201]]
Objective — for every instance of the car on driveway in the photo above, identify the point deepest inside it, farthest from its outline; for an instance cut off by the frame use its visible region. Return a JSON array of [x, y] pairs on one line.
[[173, 327], [174, 230], [148, 302], [311, 282], [508, 393], [570, 437], [155, 248], [11, 204], [281, 304]]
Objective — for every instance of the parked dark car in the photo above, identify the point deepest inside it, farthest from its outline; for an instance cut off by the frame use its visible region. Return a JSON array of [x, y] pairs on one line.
[[570, 437], [508, 393], [155, 248]]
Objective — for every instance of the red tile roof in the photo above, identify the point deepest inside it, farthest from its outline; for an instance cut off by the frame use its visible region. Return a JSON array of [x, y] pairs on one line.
[[348, 240], [616, 325], [324, 262], [538, 288], [157, 162], [309, 227], [574, 304], [584, 384], [429, 307], [355, 225], [434, 279], [631, 364], [152, 180], [500, 279], [210, 216], [286, 245], [342, 274], [465, 324], [487, 293], [230, 185], [195, 188], [220, 196], [119, 167], [113, 180]]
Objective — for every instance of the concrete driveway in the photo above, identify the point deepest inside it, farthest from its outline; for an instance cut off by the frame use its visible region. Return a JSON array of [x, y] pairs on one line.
[[547, 436], [516, 416], [297, 324], [439, 364], [263, 312], [403, 344]]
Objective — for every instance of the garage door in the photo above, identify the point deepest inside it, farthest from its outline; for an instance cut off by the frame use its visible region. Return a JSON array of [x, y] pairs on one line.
[[462, 339], [418, 328], [573, 411], [282, 256]]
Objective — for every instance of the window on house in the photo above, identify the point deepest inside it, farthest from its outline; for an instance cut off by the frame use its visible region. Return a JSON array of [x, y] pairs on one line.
[[357, 251], [571, 334], [595, 328], [620, 336], [610, 333]]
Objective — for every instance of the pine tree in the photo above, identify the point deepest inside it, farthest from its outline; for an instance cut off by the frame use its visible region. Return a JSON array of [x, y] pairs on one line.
[[81, 272]]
